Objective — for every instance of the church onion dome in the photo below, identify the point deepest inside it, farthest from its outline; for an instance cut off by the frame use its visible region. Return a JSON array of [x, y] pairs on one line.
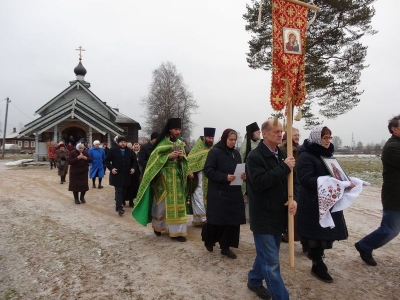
[[80, 69]]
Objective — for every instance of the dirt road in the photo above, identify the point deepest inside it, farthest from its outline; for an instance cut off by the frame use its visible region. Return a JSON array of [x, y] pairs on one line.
[[51, 248]]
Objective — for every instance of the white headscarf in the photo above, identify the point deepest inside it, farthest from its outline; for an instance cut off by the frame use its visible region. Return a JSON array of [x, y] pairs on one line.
[[96, 142], [78, 145], [315, 135]]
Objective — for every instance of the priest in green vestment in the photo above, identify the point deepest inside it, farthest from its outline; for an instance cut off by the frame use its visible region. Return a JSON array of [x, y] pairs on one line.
[[161, 198], [198, 183]]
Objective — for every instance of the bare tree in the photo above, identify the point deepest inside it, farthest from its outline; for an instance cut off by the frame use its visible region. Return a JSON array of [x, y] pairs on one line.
[[239, 140], [360, 146], [168, 98], [337, 141]]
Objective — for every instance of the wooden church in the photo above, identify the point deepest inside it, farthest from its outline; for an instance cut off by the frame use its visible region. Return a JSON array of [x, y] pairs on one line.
[[77, 114]]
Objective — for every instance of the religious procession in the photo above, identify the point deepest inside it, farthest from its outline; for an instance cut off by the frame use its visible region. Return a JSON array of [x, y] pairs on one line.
[[291, 191], [222, 187]]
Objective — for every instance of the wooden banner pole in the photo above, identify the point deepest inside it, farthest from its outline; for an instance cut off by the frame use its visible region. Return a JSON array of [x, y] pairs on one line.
[[289, 140]]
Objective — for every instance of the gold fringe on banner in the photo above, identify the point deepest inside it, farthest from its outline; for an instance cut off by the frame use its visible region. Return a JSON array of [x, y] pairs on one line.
[[299, 115], [275, 120], [259, 12]]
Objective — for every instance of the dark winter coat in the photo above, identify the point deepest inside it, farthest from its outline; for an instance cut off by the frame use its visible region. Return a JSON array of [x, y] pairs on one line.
[[309, 167], [225, 205], [62, 155], [267, 190], [123, 163], [144, 155], [78, 171], [391, 174]]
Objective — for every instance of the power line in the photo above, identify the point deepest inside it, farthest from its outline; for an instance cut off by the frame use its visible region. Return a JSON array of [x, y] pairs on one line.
[[21, 111]]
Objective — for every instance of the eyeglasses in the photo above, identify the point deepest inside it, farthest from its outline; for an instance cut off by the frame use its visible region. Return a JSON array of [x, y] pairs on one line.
[[326, 137]]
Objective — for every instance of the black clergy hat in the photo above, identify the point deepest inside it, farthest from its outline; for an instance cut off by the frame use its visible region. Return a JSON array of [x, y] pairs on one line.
[[252, 128], [209, 131], [174, 123]]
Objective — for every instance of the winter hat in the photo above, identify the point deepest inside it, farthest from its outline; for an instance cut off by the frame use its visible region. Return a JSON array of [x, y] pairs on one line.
[[121, 138], [154, 135]]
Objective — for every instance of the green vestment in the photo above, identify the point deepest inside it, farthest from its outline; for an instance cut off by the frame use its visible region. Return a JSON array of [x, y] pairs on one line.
[[196, 160], [163, 178]]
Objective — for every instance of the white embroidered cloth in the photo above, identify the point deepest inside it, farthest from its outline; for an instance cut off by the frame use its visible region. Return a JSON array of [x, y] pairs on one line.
[[332, 194]]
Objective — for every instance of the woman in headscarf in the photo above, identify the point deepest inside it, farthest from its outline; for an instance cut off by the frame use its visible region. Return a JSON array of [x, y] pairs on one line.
[[61, 160], [309, 167], [225, 206], [79, 160], [96, 166]]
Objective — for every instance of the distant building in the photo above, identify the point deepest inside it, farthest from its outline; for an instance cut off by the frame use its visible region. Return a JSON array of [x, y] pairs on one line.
[[78, 114], [26, 143]]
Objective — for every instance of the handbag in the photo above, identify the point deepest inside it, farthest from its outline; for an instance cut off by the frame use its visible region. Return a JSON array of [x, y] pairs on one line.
[[61, 165]]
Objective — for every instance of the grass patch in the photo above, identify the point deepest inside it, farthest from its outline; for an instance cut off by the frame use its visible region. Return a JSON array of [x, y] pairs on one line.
[[366, 168]]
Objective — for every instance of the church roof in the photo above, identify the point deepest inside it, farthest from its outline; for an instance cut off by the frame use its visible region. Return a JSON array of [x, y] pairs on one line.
[[72, 109], [77, 85], [121, 118]]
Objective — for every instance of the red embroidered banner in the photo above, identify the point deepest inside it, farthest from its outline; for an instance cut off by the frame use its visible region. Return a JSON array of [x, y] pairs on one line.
[[289, 25]]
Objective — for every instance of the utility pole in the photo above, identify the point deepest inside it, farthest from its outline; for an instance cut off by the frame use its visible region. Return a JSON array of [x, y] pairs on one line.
[[5, 128]]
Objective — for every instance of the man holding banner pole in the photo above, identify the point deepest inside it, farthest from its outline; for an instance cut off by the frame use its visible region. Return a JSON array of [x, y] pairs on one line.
[[288, 87], [267, 169]]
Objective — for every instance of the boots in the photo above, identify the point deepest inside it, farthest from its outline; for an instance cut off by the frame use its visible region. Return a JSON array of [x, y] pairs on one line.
[[320, 270], [83, 197], [100, 186], [228, 252], [76, 197]]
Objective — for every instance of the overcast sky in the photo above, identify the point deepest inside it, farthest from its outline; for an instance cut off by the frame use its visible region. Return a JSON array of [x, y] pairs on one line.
[[206, 40]]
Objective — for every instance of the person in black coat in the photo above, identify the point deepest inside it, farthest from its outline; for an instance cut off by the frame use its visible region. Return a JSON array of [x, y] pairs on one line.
[[267, 169], [390, 224], [122, 162], [309, 167], [225, 206], [145, 152], [106, 149]]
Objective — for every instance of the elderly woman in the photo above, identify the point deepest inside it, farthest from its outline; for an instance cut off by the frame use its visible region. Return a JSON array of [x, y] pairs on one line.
[[225, 206], [79, 160], [61, 160], [96, 166], [309, 167]]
